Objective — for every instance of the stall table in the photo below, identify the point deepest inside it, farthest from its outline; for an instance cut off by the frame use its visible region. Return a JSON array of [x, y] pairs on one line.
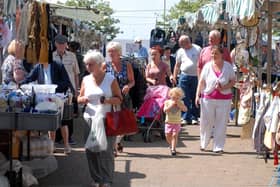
[[11, 121]]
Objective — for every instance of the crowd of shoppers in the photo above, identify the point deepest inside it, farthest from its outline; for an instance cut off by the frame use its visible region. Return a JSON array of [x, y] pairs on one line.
[[200, 82]]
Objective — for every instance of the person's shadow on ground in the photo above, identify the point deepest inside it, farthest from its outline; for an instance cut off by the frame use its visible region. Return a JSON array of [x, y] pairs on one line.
[[123, 179]]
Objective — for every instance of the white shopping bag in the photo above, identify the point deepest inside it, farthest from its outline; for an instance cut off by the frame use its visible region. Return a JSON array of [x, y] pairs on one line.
[[97, 140]]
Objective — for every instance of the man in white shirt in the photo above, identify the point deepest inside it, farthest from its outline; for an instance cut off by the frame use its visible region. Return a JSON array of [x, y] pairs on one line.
[[186, 63], [69, 60]]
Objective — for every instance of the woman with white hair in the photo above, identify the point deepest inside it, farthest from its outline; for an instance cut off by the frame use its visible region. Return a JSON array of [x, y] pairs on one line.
[[123, 72], [99, 91]]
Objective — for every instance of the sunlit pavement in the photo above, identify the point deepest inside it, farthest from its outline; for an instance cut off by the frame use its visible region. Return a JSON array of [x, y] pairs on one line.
[[151, 164]]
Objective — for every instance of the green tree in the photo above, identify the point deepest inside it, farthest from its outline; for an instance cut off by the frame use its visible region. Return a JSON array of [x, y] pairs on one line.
[[184, 6], [107, 25]]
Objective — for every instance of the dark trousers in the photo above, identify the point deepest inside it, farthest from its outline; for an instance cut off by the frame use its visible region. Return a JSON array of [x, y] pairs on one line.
[[189, 85], [70, 125]]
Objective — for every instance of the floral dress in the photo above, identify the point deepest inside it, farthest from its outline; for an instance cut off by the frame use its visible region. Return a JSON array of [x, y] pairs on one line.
[[122, 78]]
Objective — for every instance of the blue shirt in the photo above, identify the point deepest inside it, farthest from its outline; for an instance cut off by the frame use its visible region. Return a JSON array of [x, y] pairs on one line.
[[142, 52]]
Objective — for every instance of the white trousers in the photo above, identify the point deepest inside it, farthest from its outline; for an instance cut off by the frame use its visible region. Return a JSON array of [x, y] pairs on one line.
[[214, 113]]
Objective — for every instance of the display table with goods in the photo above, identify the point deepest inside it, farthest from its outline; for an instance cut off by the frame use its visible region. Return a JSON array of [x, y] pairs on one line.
[[29, 108]]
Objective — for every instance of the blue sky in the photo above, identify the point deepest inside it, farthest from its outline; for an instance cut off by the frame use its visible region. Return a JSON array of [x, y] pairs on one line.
[[138, 17]]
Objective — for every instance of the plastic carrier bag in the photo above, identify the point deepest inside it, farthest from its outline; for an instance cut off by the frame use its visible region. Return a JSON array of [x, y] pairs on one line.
[[4, 182], [97, 140]]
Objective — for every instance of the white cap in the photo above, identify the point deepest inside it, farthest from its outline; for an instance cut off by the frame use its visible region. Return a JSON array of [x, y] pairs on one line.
[[137, 40]]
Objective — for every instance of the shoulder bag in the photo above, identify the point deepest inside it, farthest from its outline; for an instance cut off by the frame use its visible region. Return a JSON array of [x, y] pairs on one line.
[[121, 122]]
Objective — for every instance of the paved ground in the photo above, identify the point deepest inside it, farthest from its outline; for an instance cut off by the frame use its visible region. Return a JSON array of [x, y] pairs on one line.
[[150, 164]]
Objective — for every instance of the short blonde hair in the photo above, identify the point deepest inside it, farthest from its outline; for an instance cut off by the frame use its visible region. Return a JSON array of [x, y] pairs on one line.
[[12, 47], [94, 55], [16, 48], [176, 91], [114, 45]]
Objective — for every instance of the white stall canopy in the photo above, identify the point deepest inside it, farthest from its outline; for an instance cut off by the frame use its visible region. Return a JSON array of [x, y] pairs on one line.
[[75, 13]]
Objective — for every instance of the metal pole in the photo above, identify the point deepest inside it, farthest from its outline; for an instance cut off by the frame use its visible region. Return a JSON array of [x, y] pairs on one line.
[[164, 14], [269, 42]]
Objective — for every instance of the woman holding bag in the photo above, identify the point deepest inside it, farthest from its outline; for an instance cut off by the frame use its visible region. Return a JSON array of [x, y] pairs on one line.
[[123, 72], [99, 91]]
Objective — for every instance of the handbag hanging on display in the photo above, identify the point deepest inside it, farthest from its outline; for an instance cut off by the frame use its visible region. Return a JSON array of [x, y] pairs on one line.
[[121, 122]]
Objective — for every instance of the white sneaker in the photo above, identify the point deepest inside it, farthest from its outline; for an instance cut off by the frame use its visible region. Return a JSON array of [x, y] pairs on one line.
[[67, 149], [94, 184], [184, 122], [194, 122]]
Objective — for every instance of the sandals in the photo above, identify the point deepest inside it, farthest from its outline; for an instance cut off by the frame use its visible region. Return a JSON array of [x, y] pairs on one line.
[[119, 147], [219, 152], [173, 152], [202, 149], [115, 153]]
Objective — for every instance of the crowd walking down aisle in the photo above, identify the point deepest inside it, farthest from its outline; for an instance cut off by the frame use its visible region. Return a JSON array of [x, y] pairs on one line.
[[151, 165]]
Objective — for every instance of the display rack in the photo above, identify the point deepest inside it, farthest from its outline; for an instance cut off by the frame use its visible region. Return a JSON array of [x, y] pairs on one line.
[[9, 123], [25, 121]]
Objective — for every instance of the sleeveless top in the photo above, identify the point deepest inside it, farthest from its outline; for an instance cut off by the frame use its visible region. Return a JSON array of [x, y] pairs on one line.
[[122, 76], [158, 73], [173, 116], [94, 93]]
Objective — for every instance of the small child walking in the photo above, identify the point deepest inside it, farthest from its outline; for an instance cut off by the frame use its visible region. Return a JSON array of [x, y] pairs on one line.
[[173, 108]]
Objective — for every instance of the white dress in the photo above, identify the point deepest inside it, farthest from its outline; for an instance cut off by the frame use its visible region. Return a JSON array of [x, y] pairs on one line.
[[101, 164], [95, 92]]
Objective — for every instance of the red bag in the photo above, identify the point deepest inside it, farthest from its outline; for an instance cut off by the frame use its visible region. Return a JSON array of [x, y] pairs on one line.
[[121, 122]]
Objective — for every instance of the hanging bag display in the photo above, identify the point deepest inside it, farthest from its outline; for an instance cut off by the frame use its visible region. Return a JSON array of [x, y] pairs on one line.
[[121, 122]]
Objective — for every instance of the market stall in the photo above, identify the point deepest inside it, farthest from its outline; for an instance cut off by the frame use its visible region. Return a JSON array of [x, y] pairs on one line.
[[250, 25], [34, 24], [20, 114], [260, 18]]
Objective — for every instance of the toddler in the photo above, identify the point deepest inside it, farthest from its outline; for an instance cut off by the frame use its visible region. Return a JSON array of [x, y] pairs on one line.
[[173, 108]]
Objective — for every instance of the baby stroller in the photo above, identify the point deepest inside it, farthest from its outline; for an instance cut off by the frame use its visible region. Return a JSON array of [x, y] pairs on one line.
[[150, 114]]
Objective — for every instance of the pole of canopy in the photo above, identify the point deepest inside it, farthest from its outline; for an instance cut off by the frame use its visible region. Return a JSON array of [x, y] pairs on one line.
[[164, 15], [269, 42], [259, 51]]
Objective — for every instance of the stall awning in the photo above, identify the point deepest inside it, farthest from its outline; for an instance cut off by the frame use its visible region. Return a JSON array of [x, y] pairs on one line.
[[242, 9], [76, 13], [209, 13]]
